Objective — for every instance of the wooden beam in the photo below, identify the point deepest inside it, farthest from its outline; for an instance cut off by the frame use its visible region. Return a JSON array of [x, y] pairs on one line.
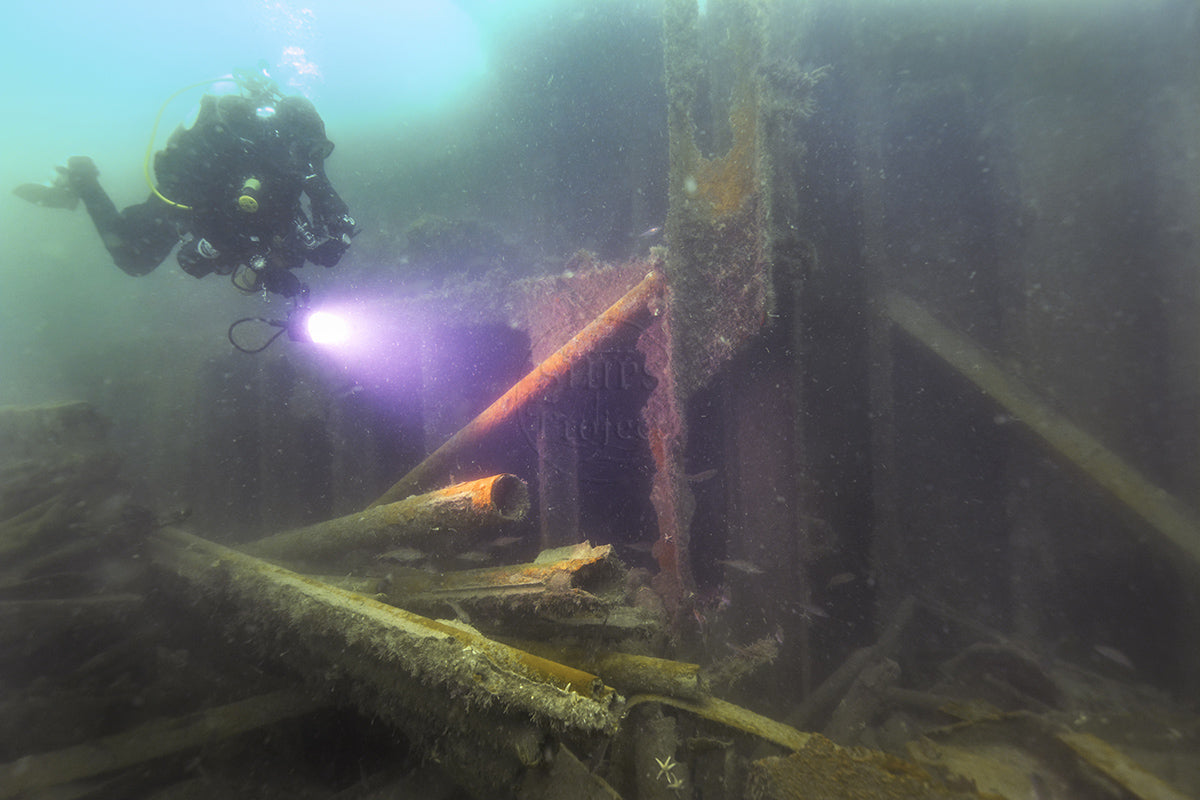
[[375, 642], [569, 590], [1174, 521], [153, 740], [483, 707]]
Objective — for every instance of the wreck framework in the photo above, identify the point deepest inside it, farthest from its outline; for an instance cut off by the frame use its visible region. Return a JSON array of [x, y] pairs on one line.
[[775, 291]]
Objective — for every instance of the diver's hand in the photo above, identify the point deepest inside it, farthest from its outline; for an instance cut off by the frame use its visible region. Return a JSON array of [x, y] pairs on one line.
[[282, 282], [329, 252], [342, 227]]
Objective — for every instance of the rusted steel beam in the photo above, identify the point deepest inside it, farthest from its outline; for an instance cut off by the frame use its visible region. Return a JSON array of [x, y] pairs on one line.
[[463, 508], [532, 388]]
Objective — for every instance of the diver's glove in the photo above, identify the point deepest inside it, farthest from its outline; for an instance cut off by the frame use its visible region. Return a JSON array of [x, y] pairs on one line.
[[81, 173], [197, 257]]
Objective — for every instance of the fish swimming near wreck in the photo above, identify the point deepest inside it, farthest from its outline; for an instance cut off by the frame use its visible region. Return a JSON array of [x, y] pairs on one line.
[[741, 565]]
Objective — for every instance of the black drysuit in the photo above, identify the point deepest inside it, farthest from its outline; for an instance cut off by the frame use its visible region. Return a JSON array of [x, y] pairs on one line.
[[234, 151]]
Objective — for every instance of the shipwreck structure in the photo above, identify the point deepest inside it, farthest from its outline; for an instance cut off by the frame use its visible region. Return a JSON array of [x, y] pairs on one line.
[[877, 478]]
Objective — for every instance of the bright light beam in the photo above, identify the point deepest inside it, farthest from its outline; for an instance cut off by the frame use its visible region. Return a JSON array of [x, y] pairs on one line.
[[326, 328]]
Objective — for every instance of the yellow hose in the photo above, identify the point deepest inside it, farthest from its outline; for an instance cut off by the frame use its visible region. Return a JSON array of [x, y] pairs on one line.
[[154, 134]]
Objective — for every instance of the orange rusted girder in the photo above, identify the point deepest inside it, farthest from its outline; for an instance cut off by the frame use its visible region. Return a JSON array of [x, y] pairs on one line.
[[532, 387]]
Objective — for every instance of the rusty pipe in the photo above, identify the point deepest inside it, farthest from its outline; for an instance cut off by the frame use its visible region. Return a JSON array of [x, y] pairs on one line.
[[463, 508], [531, 388]]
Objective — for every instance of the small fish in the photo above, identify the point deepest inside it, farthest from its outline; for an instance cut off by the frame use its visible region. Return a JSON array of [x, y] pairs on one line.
[[741, 565], [348, 391], [841, 579], [811, 611], [701, 477], [654, 231], [504, 542], [1114, 655], [402, 555]]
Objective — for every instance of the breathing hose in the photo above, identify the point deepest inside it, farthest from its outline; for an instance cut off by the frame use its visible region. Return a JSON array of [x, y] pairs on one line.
[[154, 134]]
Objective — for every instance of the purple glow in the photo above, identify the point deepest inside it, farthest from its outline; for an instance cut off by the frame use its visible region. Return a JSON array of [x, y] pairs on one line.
[[381, 352], [327, 328]]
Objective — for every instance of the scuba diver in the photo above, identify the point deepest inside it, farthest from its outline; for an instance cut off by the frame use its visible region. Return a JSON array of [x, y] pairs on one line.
[[228, 193]]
